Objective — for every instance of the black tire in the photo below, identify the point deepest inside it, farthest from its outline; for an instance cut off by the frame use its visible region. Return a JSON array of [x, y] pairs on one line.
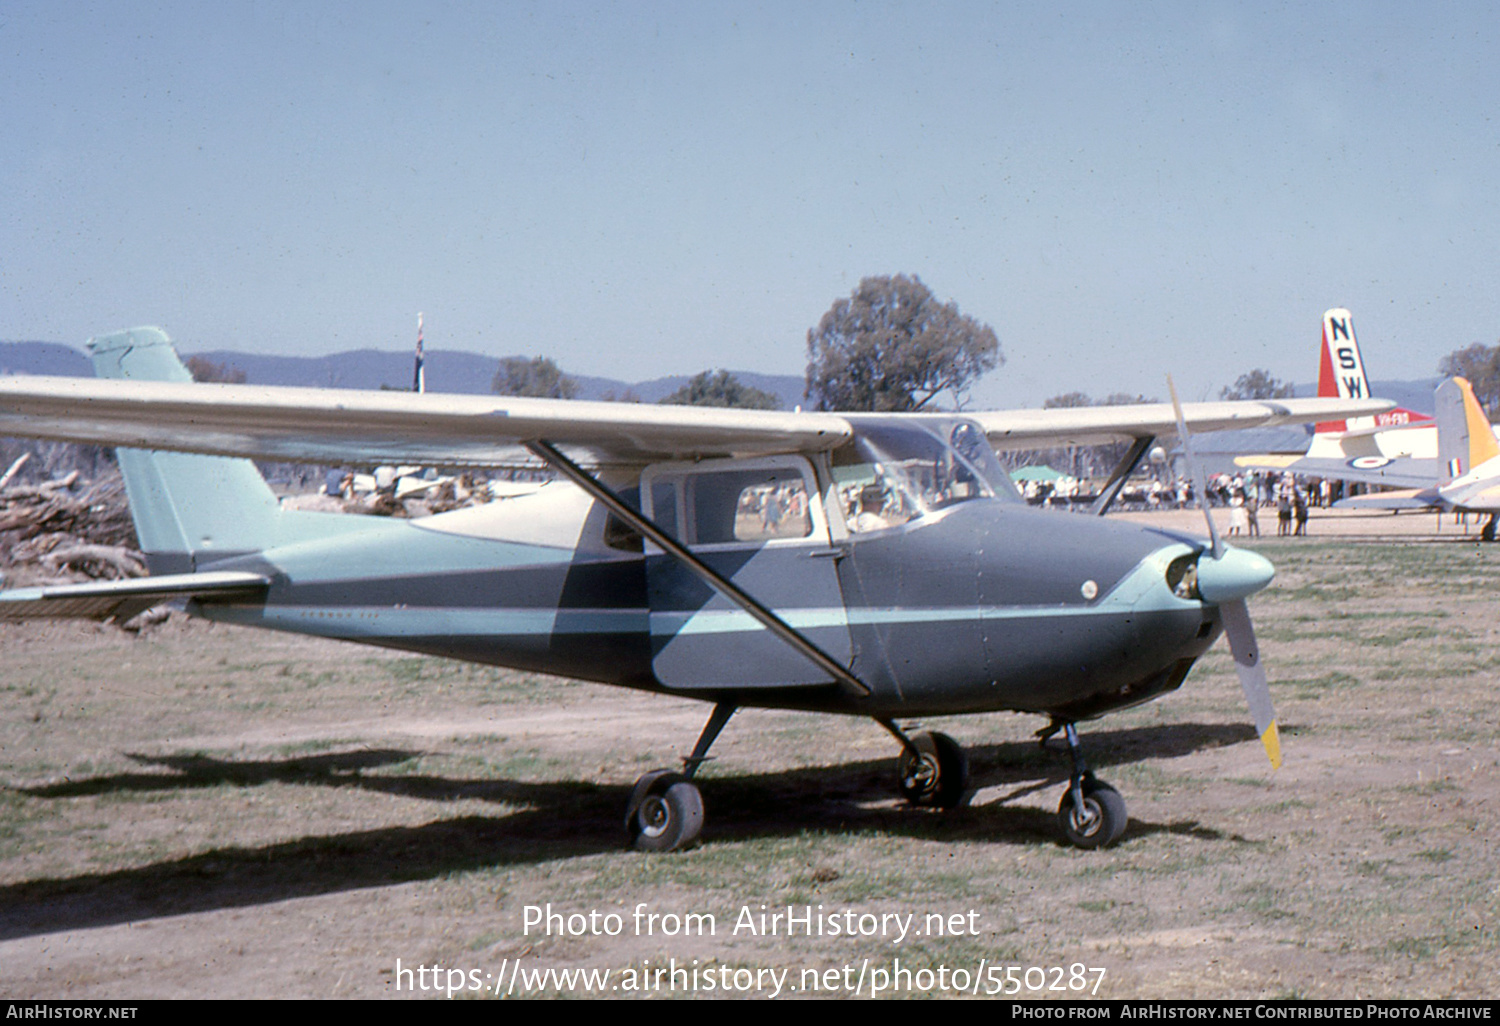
[[940, 778], [1488, 531], [668, 815], [1104, 817]]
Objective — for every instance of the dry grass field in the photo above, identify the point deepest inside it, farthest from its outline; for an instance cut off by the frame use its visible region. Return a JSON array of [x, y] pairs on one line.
[[211, 812]]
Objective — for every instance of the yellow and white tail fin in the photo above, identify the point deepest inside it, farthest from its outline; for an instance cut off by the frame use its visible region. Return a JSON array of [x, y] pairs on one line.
[[1465, 438]]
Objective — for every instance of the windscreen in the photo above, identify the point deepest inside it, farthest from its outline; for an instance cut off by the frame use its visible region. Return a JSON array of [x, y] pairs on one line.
[[897, 471]]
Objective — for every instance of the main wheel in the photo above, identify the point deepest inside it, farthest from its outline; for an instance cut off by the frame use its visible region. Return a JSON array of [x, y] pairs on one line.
[[939, 777], [1102, 820], [665, 812]]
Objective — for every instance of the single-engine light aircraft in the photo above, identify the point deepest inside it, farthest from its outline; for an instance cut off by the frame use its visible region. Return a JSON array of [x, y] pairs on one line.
[[863, 564]]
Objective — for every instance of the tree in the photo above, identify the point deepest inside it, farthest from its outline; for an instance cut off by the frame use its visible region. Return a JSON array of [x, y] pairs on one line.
[[1258, 384], [721, 388], [1481, 365], [203, 369], [891, 346], [538, 376]]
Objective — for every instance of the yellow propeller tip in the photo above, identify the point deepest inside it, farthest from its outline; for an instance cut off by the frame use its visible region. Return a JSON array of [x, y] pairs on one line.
[[1272, 740]]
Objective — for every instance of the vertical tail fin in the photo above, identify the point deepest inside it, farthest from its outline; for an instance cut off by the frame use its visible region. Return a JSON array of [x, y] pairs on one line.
[[1341, 368], [188, 510], [1465, 438]]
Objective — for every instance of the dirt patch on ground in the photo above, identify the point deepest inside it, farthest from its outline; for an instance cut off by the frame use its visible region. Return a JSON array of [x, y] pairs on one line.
[[206, 811]]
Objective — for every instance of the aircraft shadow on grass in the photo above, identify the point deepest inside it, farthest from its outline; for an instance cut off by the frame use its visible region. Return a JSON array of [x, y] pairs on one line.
[[555, 820]]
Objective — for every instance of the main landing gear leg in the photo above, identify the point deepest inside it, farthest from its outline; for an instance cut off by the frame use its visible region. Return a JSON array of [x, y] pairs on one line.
[[1092, 813], [665, 812], [1488, 533], [933, 769]]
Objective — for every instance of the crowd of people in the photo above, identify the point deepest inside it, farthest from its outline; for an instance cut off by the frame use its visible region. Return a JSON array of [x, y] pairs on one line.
[[1244, 494]]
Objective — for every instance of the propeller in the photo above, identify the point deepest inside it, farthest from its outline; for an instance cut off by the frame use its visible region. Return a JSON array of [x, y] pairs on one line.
[[1228, 578]]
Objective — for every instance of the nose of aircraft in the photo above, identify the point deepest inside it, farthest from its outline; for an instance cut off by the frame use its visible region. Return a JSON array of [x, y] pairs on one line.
[[1236, 574]]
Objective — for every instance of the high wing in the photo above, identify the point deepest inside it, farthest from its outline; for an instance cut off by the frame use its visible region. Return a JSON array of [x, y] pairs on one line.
[[1095, 425], [347, 426]]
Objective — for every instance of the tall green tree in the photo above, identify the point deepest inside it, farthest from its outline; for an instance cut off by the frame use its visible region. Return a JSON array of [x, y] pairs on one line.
[[721, 388], [892, 346], [538, 376], [1481, 365], [1258, 384]]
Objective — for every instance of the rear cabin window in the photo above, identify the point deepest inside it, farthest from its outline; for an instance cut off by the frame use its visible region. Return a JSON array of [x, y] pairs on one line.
[[759, 505]]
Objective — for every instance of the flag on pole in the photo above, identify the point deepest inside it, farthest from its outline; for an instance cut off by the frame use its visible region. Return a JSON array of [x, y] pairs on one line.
[[419, 376]]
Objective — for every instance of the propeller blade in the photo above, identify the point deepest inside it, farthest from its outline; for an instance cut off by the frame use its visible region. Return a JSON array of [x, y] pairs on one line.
[[1242, 646], [1199, 481]]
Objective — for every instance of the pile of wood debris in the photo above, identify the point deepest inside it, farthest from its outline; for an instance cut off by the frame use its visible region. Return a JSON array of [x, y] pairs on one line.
[[66, 530]]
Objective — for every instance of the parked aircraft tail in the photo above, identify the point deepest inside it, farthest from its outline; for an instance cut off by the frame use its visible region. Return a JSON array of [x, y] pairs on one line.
[[1341, 368], [1341, 375], [191, 511], [1465, 438]]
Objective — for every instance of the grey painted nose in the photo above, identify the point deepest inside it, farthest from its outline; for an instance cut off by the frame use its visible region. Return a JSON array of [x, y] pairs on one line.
[[1236, 574]]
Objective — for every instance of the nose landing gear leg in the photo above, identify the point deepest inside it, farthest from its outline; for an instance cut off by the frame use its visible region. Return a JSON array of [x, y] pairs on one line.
[[1092, 813]]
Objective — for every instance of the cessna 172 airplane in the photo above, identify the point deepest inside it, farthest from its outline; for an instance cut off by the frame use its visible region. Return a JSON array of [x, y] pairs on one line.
[[872, 565]]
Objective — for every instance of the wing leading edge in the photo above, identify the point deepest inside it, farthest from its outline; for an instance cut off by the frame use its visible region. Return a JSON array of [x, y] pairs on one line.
[[1096, 425]]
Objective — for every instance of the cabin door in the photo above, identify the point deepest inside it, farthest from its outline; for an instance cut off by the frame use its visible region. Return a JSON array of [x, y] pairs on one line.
[[760, 523]]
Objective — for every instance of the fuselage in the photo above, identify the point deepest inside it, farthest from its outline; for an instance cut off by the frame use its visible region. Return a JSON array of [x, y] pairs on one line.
[[984, 605]]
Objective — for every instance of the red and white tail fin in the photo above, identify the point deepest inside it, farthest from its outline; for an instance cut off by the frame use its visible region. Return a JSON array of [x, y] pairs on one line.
[[1341, 375], [1341, 369]]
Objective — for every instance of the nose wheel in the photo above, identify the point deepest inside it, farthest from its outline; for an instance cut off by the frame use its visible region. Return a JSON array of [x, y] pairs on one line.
[[1092, 814]]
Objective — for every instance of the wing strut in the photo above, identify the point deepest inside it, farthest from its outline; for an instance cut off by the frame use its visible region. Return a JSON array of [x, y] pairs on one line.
[[768, 619], [1121, 473]]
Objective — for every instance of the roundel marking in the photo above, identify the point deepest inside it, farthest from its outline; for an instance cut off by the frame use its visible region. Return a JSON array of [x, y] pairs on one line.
[[1370, 462]]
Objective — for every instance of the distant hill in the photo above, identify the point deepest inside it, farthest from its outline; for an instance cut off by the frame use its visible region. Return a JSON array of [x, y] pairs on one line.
[[43, 358], [447, 371]]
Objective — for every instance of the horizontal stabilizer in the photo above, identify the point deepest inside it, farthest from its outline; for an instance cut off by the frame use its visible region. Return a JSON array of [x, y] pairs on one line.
[[120, 600], [1390, 472], [1410, 498]]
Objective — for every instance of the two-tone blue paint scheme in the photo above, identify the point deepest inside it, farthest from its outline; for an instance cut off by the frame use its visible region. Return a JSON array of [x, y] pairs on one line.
[[965, 609]]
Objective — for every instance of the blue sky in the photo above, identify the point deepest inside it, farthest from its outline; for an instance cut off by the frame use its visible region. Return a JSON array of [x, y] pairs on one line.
[[638, 189]]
